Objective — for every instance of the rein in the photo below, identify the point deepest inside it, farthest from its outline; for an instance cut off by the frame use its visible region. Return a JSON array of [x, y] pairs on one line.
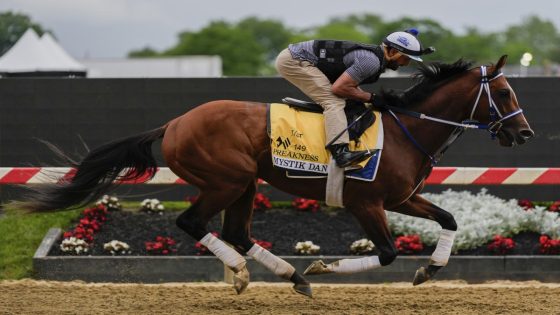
[[493, 127]]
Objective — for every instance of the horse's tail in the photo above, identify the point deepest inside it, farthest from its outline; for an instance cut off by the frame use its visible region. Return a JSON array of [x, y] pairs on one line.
[[126, 159]]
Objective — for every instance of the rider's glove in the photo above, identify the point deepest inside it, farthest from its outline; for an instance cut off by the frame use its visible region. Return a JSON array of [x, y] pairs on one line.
[[377, 100]]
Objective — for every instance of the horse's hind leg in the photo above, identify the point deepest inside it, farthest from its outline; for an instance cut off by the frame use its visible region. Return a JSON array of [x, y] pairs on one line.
[[417, 206], [237, 232], [194, 222]]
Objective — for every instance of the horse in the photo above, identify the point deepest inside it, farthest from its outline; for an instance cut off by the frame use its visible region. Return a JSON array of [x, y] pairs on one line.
[[222, 147]]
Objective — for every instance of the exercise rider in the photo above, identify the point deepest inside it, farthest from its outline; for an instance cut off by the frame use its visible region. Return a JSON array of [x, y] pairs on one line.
[[330, 71]]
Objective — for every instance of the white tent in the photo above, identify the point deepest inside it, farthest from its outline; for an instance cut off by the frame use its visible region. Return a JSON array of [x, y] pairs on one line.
[[31, 56], [63, 59]]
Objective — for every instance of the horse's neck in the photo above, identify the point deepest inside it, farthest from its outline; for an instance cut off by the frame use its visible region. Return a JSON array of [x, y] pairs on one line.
[[448, 103]]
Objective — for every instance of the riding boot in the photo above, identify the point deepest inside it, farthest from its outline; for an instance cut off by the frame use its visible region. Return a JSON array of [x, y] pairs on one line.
[[344, 157]]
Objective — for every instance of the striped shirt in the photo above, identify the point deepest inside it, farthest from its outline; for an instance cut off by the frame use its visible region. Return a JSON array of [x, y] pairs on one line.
[[360, 63]]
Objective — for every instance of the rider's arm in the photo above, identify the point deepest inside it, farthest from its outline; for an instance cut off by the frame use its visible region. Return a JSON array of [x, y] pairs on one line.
[[363, 66], [346, 87]]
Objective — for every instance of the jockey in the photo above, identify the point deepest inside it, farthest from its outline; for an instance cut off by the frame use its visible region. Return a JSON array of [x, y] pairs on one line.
[[330, 71]]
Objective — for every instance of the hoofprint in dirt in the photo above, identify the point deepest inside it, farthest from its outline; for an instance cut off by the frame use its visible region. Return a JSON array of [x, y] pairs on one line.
[[48, 297], [333, 230]]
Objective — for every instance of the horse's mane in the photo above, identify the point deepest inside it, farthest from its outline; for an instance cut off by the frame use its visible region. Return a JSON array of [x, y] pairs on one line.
[[429, 78]]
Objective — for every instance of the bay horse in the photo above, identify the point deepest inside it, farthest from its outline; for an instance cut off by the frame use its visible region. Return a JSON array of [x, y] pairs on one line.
[[222, 147]]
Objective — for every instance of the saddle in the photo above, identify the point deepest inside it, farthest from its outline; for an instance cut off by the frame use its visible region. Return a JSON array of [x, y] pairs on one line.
[[353, 110]]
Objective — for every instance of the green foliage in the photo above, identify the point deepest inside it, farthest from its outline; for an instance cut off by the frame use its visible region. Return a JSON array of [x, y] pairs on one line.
[[241, 53], [342, 31], [271, 35], [250, 46], [12, 27], [534, 35], [143, 53], [20, 237]]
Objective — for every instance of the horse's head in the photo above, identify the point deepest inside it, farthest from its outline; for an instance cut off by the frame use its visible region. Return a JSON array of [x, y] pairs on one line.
[[496, 104]]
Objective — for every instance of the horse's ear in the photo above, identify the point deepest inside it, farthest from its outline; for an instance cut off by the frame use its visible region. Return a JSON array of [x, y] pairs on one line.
[[501, 63]]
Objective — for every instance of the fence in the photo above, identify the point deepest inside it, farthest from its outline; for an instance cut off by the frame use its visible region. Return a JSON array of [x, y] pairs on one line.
[[439, 176], [65, 111]]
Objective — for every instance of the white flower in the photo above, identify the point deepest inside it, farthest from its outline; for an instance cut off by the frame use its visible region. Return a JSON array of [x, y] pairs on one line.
[[151, 205], [306, 248], [116, 247], [74, 245], [361, 246], [479, 218], [112, 203]]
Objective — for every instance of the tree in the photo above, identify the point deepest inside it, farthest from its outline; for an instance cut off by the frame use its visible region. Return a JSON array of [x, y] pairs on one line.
[[251, 46], [539, 37], [368, 24], [473, 45], [241, 54], [271, 35], [12, 27], [143, 53], [341, 30]]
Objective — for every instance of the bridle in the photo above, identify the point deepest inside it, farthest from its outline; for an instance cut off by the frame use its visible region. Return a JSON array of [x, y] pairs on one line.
[[494, 126]]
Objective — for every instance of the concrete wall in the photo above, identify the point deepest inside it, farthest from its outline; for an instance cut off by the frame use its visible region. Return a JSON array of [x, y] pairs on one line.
[[158, 269], [64, 111]]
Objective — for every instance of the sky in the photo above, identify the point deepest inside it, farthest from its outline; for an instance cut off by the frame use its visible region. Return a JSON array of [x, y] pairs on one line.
[[112, 28]]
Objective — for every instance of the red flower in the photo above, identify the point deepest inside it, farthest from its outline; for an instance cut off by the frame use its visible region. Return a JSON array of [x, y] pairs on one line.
[[526, 204], [549, 246], [99, 213], [302, 204], [90, 222], [161, 246], [555, 206], [409, 244], [261, 202], [501, 245]]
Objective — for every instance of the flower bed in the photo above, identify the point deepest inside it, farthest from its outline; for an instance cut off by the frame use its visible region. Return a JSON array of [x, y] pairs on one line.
[[487, 226]]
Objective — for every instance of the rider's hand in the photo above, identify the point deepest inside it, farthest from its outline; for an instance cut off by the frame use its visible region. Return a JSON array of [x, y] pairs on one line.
[[377, 100]]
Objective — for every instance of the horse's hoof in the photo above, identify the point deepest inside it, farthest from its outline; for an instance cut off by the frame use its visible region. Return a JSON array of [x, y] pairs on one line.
[[316, 268], [241, 280], [304, 289], [421, 276]]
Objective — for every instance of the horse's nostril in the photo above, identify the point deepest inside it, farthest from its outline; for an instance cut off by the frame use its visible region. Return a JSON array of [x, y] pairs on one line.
[[527, 133]]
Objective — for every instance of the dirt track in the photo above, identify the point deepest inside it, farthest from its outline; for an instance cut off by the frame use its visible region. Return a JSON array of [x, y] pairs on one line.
[[42, 297]]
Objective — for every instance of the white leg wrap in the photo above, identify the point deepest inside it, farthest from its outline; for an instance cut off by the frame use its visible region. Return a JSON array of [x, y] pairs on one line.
[[355, 265], [274, 263], [226, 254], [441, 255]]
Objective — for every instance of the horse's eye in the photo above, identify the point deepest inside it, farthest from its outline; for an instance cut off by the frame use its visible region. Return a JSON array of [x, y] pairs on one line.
[[503, 92]]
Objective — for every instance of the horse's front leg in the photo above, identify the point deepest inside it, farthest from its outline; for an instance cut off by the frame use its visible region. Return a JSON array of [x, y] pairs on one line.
[[417, 206], [373, 220]]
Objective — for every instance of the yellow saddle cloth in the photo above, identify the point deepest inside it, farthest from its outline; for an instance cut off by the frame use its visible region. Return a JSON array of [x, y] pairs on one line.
[[298, 139]]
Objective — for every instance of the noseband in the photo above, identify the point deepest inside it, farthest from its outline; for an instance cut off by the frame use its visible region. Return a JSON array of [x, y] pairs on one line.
[[494, 126]]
